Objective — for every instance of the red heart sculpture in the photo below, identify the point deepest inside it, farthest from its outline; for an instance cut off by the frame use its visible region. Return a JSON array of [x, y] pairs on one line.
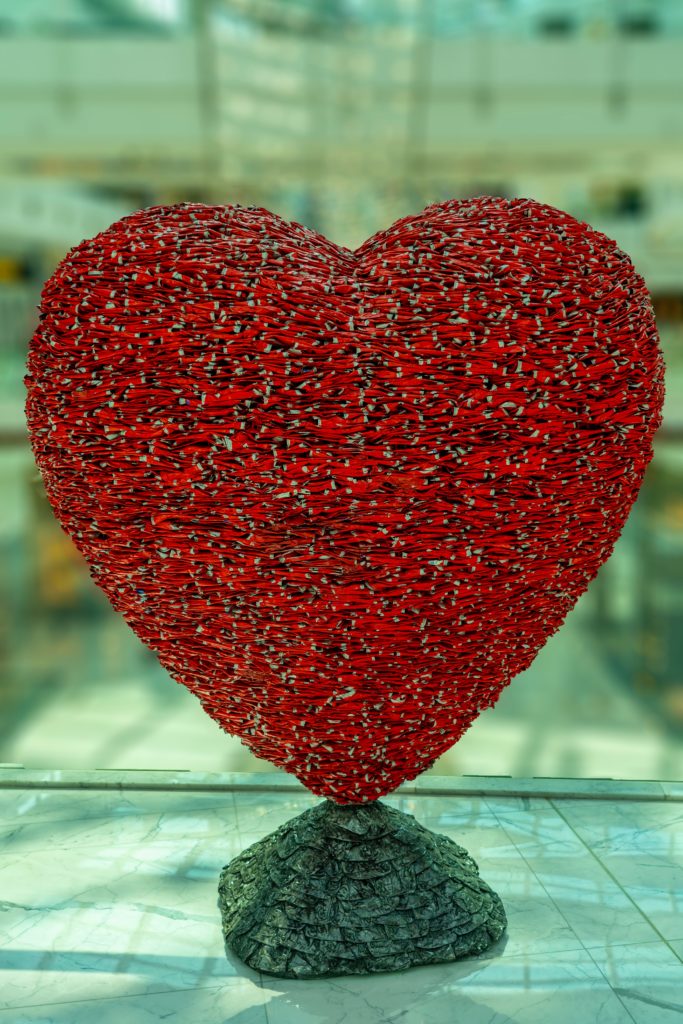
[[345, 496]]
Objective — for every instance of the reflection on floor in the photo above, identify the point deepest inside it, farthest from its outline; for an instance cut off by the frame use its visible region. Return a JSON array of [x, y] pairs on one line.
[[110, 914], [106, 703]]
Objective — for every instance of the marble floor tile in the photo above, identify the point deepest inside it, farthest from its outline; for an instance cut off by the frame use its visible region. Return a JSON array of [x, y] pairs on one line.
[[597, 909], [535, 826], [630, 825], [35, 819], [178, 877], [556, 988], [535, 924], [594, 905], [242, 1003], [480, 833], [128, 957], [647, 977], [120, 921], [641, 846], [108, 913]]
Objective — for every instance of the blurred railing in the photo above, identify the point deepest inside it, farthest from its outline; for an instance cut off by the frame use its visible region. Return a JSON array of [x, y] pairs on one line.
[[373, 89]]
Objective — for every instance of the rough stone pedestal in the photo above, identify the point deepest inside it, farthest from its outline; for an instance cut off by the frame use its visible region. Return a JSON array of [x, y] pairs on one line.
[[353, 889]]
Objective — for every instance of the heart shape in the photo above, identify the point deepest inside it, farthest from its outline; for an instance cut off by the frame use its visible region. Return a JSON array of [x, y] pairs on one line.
[[345, 496]]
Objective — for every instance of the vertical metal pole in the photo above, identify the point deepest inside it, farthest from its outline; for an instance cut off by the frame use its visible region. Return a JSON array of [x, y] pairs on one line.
[[315, 161], [208, 96], [617, 97], [418, 101]]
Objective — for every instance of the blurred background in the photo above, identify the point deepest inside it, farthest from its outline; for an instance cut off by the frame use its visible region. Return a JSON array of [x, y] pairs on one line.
[[343, 115]]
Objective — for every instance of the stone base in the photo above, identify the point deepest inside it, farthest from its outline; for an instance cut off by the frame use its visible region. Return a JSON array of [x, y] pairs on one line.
[[354, 889]]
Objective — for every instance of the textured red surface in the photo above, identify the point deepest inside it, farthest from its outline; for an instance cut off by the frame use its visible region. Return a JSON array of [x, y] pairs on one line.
[[345, 496]]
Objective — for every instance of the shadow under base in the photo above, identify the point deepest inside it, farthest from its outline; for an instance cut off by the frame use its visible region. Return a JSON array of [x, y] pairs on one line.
[[354, 889]]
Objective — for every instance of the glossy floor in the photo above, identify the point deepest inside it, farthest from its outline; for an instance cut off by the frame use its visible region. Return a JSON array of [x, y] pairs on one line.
[[108, 901]]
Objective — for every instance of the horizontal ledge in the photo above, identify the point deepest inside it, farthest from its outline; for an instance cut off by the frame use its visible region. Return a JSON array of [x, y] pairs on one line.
[[17, 777]]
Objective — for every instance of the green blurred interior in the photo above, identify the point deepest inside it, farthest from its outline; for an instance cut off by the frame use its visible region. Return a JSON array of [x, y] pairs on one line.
[[343, 115]]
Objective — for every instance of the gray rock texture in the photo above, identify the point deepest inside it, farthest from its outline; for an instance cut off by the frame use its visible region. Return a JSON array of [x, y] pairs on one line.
[[354, 889]]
